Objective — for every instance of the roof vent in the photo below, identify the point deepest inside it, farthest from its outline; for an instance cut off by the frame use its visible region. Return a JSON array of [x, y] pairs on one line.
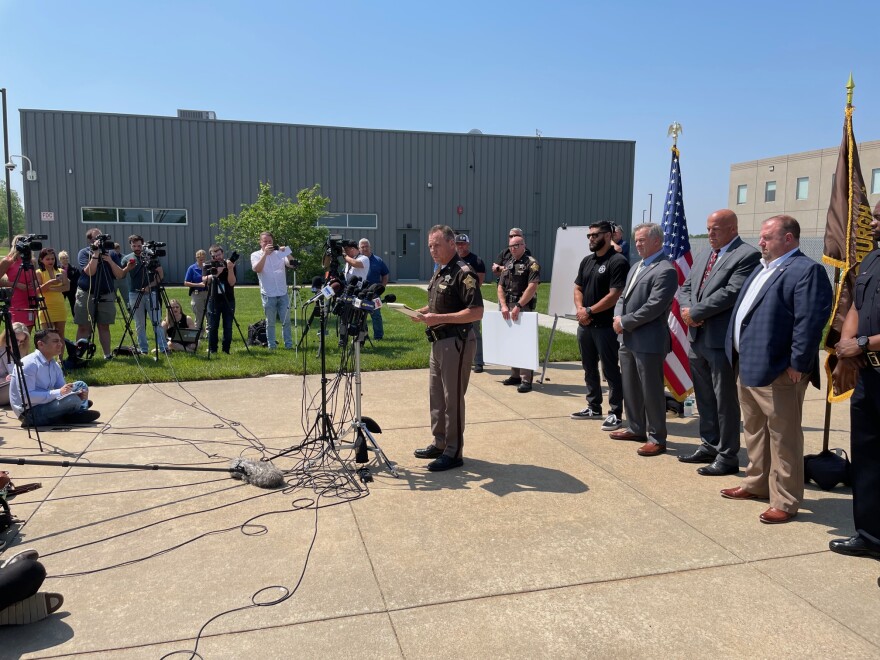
[[475, 131], [196, 114]]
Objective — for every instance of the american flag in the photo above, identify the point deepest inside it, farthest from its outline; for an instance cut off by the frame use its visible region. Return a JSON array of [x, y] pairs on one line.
[[677, 246]]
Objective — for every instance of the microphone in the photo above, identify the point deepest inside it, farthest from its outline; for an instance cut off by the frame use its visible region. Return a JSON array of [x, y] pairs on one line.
[[332, 288], [389, 298], [317, 281], [256, 473]]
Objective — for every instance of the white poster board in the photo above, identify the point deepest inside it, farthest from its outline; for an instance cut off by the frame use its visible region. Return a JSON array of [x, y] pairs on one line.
[[511, 344], [572, 245]]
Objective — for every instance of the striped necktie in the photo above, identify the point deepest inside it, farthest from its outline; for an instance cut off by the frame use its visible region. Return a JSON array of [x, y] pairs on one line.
[[709, 266]]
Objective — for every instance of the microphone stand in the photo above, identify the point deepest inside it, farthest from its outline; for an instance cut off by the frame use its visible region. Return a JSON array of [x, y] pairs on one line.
[[364, 427]]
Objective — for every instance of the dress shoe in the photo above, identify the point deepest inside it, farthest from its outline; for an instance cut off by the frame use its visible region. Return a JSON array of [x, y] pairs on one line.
[[478, 369], [698, 456], [430, 451], [444, 463], [738, 493], [512, 380], [524, 387], [774, 516], [651, 449], [855, 546], [718, 469], [625, 434]]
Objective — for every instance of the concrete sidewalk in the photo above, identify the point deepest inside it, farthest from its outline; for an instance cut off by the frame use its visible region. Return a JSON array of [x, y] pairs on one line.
[[552, 541]]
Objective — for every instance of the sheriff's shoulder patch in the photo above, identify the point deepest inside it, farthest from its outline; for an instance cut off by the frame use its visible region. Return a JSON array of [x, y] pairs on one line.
[[470, 282]]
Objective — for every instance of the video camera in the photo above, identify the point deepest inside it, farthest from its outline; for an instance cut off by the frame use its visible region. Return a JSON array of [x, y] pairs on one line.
[[153, 250], [6, 295], [103, 243], [334, 250], [213, 267], [26, 245]]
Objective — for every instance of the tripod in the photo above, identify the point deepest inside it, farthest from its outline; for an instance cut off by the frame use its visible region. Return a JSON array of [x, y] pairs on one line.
[[36, 304], [364, 427], [217, 298], [157, 299], [322, 429], [100, 279], [15, 355]]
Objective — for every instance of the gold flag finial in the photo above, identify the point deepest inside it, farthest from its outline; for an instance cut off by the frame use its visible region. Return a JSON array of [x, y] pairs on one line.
[[850, 86], [674, 131]]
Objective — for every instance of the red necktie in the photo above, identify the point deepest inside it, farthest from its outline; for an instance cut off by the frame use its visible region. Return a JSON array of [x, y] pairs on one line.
[[709, 266]]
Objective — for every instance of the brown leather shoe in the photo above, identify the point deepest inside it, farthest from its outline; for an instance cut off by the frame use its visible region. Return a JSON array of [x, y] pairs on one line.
[[738, 493], [773, 516], [651, 449], [625, 434]]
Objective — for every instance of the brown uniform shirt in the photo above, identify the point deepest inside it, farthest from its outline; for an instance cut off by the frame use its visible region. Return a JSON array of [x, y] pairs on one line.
[[453, 287], [517, 276]]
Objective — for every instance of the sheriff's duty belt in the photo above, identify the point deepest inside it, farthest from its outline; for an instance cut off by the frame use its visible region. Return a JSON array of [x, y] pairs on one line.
[[873, 358]]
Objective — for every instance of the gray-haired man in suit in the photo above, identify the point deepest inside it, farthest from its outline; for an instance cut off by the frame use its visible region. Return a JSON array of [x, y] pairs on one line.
[[640, 320], [706, 299]]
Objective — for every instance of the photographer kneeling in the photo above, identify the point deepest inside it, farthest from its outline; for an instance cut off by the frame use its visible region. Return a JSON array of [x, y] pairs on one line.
[[51, 399]]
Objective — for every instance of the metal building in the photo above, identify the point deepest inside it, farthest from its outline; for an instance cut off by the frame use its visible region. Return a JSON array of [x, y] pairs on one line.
[[169, 178]]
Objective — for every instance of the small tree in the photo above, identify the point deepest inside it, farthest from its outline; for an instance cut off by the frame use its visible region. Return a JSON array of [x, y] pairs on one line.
[[17, 213], [291, 223]]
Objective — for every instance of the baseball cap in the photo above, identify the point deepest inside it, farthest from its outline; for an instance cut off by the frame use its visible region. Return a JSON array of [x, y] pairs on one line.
[[462, 238]]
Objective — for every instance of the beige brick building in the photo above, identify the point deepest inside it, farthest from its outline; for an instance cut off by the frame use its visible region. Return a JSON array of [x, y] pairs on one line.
[[797, 184]]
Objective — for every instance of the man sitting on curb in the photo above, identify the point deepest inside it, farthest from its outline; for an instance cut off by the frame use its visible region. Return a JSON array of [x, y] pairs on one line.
[[51, 399]]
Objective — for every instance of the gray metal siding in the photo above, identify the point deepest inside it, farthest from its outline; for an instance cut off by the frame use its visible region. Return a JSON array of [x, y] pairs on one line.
[[210, 168]]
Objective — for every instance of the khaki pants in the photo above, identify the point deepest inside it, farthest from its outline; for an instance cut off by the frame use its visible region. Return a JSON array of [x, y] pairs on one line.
[[774, 439], [450, 372]]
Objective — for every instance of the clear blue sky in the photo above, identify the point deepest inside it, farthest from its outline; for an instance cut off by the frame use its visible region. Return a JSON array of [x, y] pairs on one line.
[[746, 80]]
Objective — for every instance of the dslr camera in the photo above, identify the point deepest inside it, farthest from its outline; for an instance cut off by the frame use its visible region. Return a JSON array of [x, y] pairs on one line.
[[213, 267], [26, 245], [103, 244]]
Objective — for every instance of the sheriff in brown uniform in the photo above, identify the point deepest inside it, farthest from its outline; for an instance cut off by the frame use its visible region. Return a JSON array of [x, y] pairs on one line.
[[454, 303], [517, 291]]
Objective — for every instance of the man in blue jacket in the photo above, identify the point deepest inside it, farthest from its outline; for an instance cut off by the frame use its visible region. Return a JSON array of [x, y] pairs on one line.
[[773, 343]]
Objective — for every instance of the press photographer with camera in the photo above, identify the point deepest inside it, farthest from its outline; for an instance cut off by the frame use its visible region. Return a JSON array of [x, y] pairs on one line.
[[95, 295], [219, 276], [143, 302], [270, 263], [21, 277]]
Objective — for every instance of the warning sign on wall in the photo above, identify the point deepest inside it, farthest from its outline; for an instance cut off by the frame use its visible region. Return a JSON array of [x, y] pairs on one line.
[[47, 216]]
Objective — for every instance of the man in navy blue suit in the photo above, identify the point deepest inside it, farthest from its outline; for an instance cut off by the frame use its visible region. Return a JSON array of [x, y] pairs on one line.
[[773, 343]]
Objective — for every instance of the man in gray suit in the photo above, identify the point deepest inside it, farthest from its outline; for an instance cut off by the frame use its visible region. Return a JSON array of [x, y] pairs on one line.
[[640, 320], [706, 299]]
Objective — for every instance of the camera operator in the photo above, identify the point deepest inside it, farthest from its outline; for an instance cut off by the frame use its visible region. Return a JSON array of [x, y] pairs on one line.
[[95, 295], [21, 309], [143, 278], [356, 264], [270, 264], [220, 279]]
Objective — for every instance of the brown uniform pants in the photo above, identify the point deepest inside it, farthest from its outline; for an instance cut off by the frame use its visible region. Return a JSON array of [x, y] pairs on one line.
[[450, 372], [774, 439]]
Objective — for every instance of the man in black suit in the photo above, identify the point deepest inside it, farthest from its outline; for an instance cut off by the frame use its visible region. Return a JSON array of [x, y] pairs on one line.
[[859, 353], [706, 299]]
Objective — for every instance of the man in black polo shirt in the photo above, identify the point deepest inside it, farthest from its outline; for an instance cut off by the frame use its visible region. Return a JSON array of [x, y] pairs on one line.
[[463, 247], [600, 281]]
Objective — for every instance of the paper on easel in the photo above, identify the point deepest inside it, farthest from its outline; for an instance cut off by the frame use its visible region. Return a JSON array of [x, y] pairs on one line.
[[511, 344]]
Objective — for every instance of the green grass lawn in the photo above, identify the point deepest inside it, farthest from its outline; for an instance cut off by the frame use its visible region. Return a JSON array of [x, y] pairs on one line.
[[404, 346]]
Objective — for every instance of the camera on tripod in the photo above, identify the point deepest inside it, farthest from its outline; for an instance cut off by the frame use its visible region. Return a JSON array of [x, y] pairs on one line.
[[26, 245], [5, 296], [214, 267], [103, 244], [153, 250]]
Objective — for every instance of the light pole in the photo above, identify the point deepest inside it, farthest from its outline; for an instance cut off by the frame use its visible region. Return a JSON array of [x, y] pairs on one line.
[[643, 214], [8, 171], [650, 207]]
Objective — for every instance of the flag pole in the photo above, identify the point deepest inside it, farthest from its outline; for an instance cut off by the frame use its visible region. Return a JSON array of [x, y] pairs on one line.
[[826, 427]]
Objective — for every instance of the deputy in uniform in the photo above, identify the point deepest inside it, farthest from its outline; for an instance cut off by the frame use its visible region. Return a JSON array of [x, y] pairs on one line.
[[454, 304], [859, 354], [517, 292]]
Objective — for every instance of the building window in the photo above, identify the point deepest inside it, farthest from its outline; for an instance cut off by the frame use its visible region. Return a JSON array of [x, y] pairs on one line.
[[875, 182], [742, 194], [770, 191], [802, 191], [349, 221], [92, 215]]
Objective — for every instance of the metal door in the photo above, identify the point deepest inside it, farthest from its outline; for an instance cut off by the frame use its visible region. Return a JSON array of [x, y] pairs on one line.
[[409, 253]]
